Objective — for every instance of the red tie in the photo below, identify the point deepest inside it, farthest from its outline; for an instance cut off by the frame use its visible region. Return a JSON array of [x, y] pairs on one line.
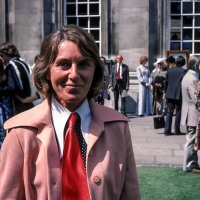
[[74, 180], [118, 72]]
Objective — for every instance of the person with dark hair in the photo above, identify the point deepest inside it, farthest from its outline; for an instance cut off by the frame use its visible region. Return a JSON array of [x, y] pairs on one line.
[[104, 94], [173, 95], [7, 89], [11, 58], [190, 114], [170, 61], [67, 147], [144, 91]]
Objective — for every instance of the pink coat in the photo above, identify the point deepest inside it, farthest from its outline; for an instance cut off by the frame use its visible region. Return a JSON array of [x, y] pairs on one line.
[[30, 166]]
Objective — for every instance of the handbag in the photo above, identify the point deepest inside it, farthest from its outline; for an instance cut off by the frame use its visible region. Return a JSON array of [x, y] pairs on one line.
[[159, 122], [107, 94]]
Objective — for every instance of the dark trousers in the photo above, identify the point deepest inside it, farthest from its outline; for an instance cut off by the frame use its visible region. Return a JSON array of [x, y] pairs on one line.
[[171, 106], [117, 93]]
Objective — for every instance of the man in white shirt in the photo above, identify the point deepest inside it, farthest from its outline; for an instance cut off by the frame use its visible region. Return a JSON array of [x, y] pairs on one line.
[[119, 82]]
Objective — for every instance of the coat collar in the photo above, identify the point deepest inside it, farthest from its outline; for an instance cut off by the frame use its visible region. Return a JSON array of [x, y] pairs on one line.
[[39, 117], [35, 117]]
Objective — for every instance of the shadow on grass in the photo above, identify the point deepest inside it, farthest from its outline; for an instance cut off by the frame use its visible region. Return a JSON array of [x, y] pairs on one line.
[[167, 183]]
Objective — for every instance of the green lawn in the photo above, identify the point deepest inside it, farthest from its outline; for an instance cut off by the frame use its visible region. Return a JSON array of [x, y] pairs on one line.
[[168, 183]]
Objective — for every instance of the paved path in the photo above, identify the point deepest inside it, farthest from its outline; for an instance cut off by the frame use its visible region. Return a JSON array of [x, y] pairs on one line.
[[152, 148]]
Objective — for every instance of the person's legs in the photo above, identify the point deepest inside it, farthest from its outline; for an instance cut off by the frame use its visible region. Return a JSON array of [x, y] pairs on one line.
[[154, 101], [170, 110], [159, 104], [116, 98], [190, 160], [178, 105], [123, 105]]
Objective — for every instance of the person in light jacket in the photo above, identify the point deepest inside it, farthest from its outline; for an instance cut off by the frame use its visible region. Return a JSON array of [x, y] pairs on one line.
[[190, 114]]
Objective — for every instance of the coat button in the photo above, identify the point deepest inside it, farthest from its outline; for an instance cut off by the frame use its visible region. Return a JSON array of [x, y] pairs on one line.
[[96, 179]]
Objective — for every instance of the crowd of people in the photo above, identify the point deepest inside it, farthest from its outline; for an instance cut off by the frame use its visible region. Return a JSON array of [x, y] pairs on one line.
[[67, 147], [68, 134], [17, 93], [171, 89]]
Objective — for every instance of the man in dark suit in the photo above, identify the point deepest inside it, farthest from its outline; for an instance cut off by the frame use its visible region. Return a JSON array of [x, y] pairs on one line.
[[119, 82], [173, 95]]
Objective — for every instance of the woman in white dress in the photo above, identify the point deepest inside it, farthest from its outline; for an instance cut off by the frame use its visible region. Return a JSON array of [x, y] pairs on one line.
[[145, 95]]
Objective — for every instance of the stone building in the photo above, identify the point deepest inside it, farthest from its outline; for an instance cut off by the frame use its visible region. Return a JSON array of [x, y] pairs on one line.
[[128, 27]]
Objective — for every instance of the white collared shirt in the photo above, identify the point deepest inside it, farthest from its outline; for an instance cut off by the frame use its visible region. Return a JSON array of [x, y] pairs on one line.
[[60, 116]]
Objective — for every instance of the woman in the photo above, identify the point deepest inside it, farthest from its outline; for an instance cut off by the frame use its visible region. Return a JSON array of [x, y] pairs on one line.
[[158, 80], [70, 74], [145, 96]]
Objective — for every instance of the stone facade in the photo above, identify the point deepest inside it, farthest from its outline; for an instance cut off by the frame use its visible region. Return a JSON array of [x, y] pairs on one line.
[[25, 23], [127, 30], [129, 27]]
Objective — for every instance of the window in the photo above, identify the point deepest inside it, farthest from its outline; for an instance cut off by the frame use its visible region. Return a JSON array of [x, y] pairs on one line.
[[85, 13], [184, 25]]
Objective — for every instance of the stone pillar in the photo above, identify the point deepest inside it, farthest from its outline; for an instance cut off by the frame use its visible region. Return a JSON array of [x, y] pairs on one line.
[[25, 19], [2, 22], [130, 30]]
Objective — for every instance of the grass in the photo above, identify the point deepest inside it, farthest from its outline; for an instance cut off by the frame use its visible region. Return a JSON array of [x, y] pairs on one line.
[[168, 183]]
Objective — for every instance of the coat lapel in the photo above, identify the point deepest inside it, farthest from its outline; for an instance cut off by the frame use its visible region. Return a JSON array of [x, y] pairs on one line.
[[95, 131], [101, 115], [45, 133], [47, 137], [96, 127]]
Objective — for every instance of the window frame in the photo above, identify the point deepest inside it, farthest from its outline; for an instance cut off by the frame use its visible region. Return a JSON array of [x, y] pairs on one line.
[[89, 17], [183, 28]]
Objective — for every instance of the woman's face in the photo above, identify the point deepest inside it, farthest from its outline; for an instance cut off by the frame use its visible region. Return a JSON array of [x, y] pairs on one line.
[[71, 75], [160, 65], [144, 62]]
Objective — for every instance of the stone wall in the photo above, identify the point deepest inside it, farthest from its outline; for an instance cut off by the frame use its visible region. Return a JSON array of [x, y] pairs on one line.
[[125, 27], [2, 22], [129, 23]]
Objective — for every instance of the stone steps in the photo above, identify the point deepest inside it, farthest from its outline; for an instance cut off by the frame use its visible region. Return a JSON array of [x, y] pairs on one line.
[[133, 80]]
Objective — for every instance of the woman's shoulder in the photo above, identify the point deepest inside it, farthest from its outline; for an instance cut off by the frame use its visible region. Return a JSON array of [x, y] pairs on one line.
[[33, 117], [106, 114]]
